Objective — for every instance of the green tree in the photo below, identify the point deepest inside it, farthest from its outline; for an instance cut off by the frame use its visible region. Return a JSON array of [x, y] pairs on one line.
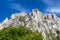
[[20, 33]]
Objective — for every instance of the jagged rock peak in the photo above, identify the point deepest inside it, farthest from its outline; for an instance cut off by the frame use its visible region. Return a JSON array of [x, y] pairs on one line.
[[35, 21], [6, 20], [13, 16], [51, 16], [36, 12], [23, 13]]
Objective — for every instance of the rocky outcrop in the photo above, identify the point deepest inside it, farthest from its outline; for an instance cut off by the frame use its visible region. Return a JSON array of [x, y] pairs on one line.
[[35, 21]]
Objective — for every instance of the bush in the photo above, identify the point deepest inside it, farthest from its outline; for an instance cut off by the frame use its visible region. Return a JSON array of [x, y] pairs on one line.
[[20, 33]]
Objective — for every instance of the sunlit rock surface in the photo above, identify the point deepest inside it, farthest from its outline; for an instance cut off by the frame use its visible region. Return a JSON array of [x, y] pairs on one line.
[[35, 21]]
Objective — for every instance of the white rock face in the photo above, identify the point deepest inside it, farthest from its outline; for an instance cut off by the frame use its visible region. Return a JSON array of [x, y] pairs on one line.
[[5, 21], [0, 24], [34, 21]]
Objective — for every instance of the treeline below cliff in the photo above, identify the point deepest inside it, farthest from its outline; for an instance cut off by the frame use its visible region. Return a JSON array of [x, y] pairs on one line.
[[19, 33]]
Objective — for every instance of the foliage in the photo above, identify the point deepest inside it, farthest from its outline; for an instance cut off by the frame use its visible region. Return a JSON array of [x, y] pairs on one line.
[[52, 36], [22, 19], [20, 33]]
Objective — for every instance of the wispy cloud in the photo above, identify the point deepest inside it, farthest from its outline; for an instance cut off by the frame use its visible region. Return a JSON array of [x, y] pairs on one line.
[[47, 2], [52, 2], [53, 10], [18, 7], [53, 6]]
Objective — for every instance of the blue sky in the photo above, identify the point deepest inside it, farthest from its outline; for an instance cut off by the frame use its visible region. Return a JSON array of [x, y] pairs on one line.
[[8, 7]]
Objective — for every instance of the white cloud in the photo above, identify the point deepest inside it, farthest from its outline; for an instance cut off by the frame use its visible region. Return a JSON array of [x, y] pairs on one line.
[[20, 8], [53, 6], [52, 2], [16, 7], [53, 10], [48, 2]]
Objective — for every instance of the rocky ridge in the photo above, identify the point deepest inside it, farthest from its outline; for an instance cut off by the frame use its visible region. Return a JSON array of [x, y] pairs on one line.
[[35, 21]]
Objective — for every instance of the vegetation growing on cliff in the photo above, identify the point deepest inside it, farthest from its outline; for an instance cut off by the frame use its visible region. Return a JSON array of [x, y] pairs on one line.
[[20, 33]]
